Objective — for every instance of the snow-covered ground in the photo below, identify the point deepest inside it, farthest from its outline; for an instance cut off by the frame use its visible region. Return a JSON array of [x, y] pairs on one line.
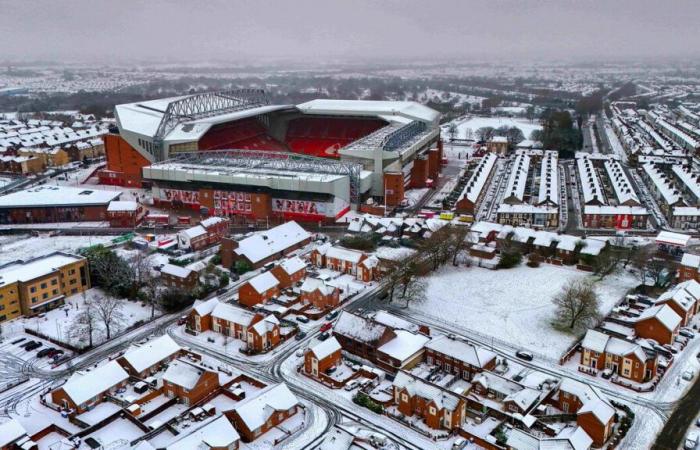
[[57, 323], [474, 123], [26, 247], [513, 305]]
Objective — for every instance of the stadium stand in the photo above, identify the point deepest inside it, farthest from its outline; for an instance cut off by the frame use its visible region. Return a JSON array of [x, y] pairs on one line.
[[325, 136], [247, 134]]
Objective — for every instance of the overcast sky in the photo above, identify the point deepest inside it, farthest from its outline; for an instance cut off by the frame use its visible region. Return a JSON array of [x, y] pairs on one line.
[[318, 30]]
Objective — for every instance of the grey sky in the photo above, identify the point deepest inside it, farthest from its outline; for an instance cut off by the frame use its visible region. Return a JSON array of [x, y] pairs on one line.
[[119, 30]]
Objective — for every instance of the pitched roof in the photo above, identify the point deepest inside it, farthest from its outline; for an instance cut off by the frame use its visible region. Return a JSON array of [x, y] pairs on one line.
[[183, 374], [664, 314], [417, 387], [325, 348], [603, 410], [311, 284], [233, 314], [358, 328], [255, 411], [292, 265], [218, 433], [151, 353], [10, 431], [81, 387], [263, 282], [267, 243], [404, 345], [176, 271], [462, 351]]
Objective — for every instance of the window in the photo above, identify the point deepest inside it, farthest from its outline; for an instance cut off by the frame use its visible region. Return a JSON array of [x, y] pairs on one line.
[[71, 272], [404, 397], [54, 282], [73, 281], [32, 289], [432, 410], [55, 292], [33, 299], [43, 285], [2, 307], [45, 295]]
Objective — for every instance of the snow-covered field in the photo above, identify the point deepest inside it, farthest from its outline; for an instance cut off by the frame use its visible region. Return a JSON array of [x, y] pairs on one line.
[[57, 323], [513, 305], [25, 247], [474, 123]]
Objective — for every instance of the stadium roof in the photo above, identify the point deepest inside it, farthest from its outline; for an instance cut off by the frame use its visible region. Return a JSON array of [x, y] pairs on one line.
[[385, 109]]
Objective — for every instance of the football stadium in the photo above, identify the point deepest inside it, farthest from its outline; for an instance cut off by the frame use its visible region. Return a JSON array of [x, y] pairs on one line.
[[233, 153]]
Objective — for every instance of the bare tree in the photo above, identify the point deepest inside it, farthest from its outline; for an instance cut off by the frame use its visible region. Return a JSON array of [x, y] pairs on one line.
[[150, 290], [577, 305], [109, 311], [640, 261], [452, 130], [607, 262], [413, 291], [457, 242], [85, 323]]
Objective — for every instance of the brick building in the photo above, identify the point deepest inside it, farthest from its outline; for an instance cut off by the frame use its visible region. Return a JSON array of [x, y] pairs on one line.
[[624, 358], [189, 382], [353, 262], [49, 203], [289, 271], [180, 278], [256, 415], [593, 412], [82, 391], [689, 268], [461, 358], [438, 407], [147, 359], [659, 323], [265, 246], [258, 289], [125, 214], [322, 356], [210, 231], [320, 294], [682, 299]]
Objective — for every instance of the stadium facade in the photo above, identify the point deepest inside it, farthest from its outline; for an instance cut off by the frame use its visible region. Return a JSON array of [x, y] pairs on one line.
[[235, 154]]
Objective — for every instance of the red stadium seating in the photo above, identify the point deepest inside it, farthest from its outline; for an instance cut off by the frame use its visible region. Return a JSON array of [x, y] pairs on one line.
[[248, 134], [322, 136]]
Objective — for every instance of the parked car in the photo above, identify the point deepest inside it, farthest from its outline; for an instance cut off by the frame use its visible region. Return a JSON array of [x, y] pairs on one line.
[[332, 315], [688, 375], [234, 277], [607, 373], [302, 319], [17, 341], [182, 320], [687, 333], [299, 336], [330, 370], [691, 441], [45, 352], [670, 348], [326, 326], [459, 444], [323, 336], [352, 384], [522, 354], [33, 346]]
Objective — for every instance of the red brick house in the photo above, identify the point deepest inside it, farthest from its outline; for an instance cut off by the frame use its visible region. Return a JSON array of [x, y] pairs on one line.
[[318, 293], [361, 336], [180, 278], [322, 356], [516, 398], [624, 358], [13, 436], [259, 332], [217, 434], [259, 289], [439, 408], [256, 415], [146, 359], [593, 412], [189, 382], [344, 260], [124, 213], [289, 271], [210, 231], [85, 390], [265, 246], [689, 268], [461, 358], [659, 323], [683, 300]]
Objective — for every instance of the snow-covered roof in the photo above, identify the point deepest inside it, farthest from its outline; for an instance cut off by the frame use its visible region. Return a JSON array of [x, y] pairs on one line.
[[574, 438], [690, 260], [462, 351], [176, 271], [292, 265], [275, 240], [417, 387], [689, 179], [664, 314], [404, 345], [386, 109], [183, 373], [621, 183], [600, 407], [477, 181], [669, 237], [663, 184], [233, 314], [81, 387], [549, 178], [34, 268], [263, 282], [595, 341], [122, 205], [267, 324], [151, 353], [344, 254], [205, 307], [394, 322], [211, 221], [254, 411], [194, 232], [218, 433], [588, 180], [358, 328], [525, 208], [311, 284], [52, 196], [10, 431], [515, 187], [325, 348]]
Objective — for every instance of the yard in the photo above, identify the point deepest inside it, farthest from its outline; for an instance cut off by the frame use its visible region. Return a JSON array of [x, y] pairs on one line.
[[26, 247], [513, 305]]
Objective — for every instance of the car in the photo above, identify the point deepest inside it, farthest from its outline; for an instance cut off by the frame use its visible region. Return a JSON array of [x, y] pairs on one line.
[[17, 341], [670, 348], [44, 352], [332, 315], [522, 354], [687, 333], [691, 441], [607, 373], [326, 326], [323, 336], [688, 375], [302, 319], [330, 370], [234, 277], [33, 346], [300, 353], [27, 344], [459, 444], [221, 291], [300, 335], [182, 320], [350, 385]]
